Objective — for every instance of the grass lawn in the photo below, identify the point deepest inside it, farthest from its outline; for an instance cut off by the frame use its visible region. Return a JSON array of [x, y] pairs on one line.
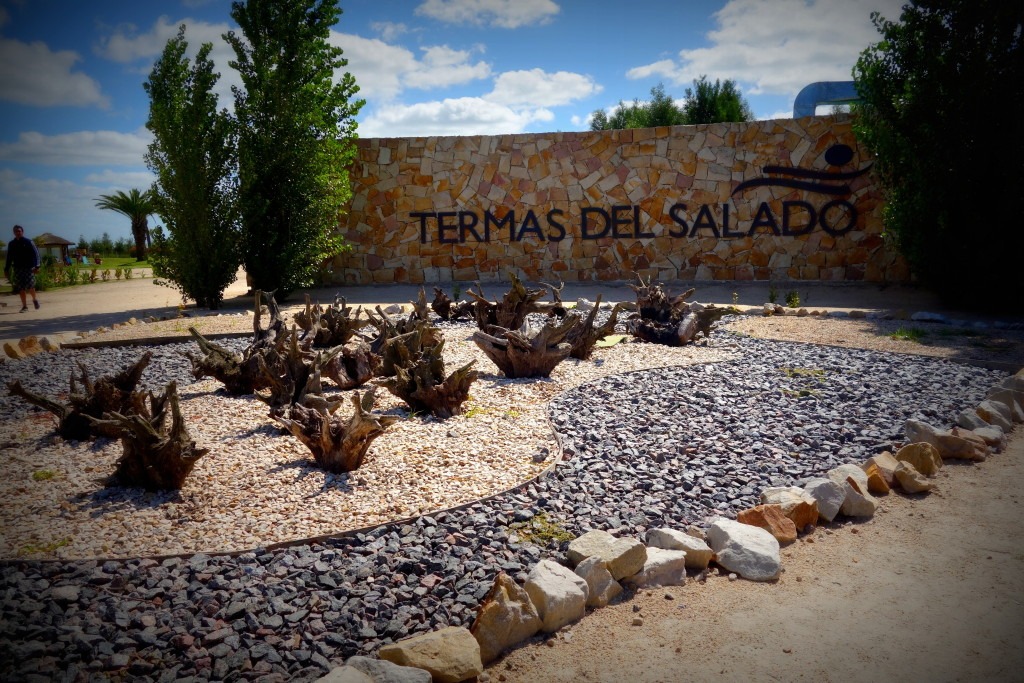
[[112, 262]]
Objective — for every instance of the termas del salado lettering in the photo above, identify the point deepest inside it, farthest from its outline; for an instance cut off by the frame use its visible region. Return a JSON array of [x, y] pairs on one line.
[[623, 221]]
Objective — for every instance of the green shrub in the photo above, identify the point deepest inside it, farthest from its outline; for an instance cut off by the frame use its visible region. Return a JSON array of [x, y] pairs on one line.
[[793, 299]]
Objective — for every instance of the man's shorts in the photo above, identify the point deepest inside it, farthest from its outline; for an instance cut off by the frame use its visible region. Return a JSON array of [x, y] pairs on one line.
[[23, 280]]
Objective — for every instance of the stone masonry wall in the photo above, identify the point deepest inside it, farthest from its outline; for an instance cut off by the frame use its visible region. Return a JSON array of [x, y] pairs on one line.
[[782, 200]]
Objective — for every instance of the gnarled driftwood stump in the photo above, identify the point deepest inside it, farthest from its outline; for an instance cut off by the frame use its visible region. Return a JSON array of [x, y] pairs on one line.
[[528, 351], [337, 446], [109, 394], [423, 386], [156, 456]]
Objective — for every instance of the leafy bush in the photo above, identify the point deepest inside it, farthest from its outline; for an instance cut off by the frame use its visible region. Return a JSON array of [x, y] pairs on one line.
[[942, 104]]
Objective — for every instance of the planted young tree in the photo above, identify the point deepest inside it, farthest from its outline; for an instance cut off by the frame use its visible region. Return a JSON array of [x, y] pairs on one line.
[[941, 111], [138, 206], [296, 114], [193, 154]]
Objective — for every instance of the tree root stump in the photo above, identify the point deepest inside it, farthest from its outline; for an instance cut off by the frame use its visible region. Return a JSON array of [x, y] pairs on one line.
[[528, 351], [446, 309], [337, 446], [331, 326], [671, 322], [585, 336], [110, 394], [509, 313], [423, 386], [240, 372], [156, 457], [353, 367]]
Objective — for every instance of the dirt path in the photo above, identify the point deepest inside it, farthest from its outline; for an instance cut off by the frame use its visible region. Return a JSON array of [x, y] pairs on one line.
[[931, 589]]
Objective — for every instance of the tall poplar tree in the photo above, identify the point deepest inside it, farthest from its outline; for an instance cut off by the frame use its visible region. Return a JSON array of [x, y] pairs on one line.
[[296, 116], [193, 155]]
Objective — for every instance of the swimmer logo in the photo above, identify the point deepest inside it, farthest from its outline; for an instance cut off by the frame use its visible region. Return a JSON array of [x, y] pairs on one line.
[[836, 155]]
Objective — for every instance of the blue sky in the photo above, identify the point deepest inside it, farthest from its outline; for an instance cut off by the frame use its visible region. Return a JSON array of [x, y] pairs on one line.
[[73, 109]]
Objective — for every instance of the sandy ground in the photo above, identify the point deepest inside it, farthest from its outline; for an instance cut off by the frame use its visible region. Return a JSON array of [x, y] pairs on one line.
[[931, 589]]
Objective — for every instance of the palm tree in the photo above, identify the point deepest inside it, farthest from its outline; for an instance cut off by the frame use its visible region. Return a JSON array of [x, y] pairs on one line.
[[137, 206]]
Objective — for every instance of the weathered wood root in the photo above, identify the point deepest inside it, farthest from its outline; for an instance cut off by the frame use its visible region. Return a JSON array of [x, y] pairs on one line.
[[110, 394], [585, 336], [296, 375], [156, 456], [509, 313], [677, 333], [420, 310], [330, 326], [528, 351], [240, 372], [353, 367], [423, 386], [336, 446], [399, 342], [446, 309]]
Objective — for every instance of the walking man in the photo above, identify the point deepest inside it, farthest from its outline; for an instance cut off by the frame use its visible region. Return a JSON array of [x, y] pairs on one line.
[[21, 266]]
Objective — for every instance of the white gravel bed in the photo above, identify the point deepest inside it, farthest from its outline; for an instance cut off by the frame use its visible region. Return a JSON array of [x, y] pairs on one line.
[[258, 486]]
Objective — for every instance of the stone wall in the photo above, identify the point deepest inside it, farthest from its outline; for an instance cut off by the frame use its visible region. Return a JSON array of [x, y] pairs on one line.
[[770, 200]]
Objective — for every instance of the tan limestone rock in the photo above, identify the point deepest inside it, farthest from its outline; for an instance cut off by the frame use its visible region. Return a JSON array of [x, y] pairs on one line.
[[797, 504], [923, 456], [450, 654], [876, 481], [506, 617], [13, 351], [912, 481], [886, 464], [772, 519], [29, 346]]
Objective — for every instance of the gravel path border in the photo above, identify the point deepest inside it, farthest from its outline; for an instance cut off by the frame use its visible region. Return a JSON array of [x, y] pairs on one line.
[[670, 446]]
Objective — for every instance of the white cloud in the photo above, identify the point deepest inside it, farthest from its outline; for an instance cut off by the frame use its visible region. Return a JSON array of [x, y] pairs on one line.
[[462, 116], [779, 46], [32, 74], [537, 88], [84, 148], [388, 30], [140, 50], [500, 13], [383, 71], [443, 66], [119, 180], [62, 207]]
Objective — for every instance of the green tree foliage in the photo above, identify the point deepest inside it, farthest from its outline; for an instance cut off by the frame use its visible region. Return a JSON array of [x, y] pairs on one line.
[[706, 102], [193, 154], [716, 102], [942, 105], [660, 110], [137, 206], [296, 138]]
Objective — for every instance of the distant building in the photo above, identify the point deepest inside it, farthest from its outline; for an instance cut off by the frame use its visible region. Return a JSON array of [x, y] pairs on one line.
[[54, 246]]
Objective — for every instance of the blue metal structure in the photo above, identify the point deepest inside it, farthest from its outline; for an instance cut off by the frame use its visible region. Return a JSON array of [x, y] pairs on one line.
[[823, 92]]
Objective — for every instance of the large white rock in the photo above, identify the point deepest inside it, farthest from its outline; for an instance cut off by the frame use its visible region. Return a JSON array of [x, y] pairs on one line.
[[698, 554], [829, 495], [949, 445], [348, 674], [624, 556], [969, 419], [993, 436], [857, 502], [995, 413], [911, 480], [506, 617], [751, 552], [559, 595], [382, 671], [797, 504], [449, 655], [1013, 400], [662, 568], [602, 588]]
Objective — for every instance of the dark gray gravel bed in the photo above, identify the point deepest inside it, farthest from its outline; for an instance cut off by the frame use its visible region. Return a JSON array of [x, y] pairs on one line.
[[660, 447]]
